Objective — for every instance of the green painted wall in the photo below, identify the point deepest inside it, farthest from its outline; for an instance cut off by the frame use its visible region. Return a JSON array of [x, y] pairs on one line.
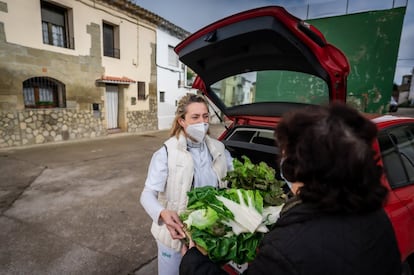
[[370, 40], [290, 87]]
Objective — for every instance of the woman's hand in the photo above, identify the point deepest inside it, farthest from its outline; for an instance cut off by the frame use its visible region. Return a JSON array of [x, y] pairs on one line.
[[186, 247], [173, 223]]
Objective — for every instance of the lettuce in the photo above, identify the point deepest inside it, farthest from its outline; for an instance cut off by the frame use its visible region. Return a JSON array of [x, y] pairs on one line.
[[201, 218], [229, 224], [226, 223], [261, 177]]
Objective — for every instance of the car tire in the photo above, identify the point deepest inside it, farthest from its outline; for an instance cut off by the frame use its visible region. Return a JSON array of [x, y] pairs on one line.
[[406, 269]]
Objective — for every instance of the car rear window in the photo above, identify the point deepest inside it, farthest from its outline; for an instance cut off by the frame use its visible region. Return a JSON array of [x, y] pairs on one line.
[[271, 86], [397, 151]]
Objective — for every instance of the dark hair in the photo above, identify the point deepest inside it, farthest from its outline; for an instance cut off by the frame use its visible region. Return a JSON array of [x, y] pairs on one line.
[[329, 149]]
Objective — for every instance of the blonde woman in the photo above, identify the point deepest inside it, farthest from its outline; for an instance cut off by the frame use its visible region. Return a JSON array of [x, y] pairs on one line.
[[189, 158]]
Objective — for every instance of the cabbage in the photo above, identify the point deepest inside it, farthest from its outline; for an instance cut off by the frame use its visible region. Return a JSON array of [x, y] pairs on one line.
[[201, 219]]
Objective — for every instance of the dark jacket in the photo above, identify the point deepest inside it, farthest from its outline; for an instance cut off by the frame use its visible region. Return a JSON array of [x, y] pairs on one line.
[[305, 241]]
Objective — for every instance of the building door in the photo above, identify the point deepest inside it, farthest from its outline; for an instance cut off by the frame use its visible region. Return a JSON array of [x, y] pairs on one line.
[[112, 106]]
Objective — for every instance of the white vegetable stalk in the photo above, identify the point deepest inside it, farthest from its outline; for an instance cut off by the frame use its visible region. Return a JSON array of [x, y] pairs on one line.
[[235, 227], [271, 214], [246, 217]]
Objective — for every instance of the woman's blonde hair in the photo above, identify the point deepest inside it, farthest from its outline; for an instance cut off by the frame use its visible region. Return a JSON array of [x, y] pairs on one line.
[[186, 100]]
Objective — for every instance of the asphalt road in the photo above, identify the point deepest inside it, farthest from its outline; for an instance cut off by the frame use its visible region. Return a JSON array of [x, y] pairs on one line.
[[73, 207], [404, 112]]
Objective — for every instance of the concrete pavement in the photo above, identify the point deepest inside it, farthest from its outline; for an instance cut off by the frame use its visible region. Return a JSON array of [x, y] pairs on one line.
[[73, 207]]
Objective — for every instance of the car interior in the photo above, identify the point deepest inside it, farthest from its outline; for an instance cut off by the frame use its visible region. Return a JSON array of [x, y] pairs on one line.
[[258, 144]]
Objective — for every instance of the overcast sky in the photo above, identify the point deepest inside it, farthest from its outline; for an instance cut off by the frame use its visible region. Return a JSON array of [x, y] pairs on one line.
[[192, 15]]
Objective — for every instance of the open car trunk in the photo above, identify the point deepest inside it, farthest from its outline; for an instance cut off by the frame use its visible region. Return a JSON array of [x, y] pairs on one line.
[[256, 65], [257, 143]]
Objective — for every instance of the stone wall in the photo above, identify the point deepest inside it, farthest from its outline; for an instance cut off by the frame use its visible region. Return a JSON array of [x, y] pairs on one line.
[[38, 126], [138, 121]]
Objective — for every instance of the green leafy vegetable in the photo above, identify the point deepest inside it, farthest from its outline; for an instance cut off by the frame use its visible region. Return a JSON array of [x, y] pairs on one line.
[[230, 223], [246, 217], [202, 218], [247, 175], [227, 223]]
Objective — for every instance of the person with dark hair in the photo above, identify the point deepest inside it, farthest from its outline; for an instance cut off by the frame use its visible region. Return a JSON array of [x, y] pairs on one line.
[[189, 158], [335, 222]]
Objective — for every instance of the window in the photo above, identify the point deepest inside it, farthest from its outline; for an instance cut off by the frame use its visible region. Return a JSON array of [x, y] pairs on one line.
[[189, 77], [141, 91], [162, 96], [406, 79], [111, 40], [56, 27], [397, 151], [43, 92], [172, 57]]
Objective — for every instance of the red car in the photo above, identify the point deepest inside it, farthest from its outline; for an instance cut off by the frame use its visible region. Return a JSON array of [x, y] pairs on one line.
[[258, 64]]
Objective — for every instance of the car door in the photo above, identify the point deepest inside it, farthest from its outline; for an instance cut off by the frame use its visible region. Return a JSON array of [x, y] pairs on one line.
[[397, 152]]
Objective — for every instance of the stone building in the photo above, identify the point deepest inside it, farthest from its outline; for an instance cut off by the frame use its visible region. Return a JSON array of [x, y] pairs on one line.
[[74, 69], [406, 90]]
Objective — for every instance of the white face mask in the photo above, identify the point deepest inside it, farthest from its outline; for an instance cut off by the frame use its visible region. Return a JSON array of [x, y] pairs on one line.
[[197, 131], [281, 174]]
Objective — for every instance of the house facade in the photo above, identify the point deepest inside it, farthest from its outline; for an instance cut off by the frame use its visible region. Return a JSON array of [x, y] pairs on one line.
[[173, 82], [78, 69], [406, 89]]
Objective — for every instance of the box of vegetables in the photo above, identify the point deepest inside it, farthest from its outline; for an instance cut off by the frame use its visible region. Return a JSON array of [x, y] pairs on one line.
[[228, 224]]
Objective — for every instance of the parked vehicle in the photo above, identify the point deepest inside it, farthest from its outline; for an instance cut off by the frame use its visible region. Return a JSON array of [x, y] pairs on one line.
[[258, 64]]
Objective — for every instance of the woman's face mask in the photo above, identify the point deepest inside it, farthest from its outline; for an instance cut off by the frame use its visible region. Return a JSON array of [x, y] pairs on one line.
[[197, 131], [281, 174]]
